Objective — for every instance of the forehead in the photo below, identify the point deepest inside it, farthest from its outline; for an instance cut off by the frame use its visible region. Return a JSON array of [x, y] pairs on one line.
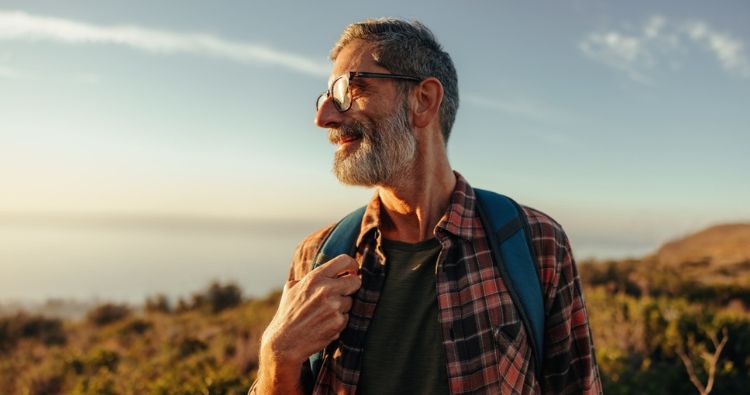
[[355, 56]]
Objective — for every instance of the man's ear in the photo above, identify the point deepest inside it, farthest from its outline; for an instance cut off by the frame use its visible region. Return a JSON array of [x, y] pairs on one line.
[[426, 99]]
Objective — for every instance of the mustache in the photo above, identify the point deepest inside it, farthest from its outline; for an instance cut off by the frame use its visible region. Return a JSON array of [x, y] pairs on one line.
[[355, 130]]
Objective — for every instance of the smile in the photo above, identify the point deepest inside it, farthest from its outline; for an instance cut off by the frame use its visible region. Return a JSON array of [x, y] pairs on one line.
[[346, 142]]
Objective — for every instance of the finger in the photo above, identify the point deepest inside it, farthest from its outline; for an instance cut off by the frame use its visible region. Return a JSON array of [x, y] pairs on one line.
[[345, 321], [338, 266], [345, 304], [345, 285], [342, 320]]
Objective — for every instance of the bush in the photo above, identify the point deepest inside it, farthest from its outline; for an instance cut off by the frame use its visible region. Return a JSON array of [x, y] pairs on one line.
[[137, 326], [216, 298], [108, 313], [220, 297], [616, 276], [100, 383], [189, 346], [49, 331], [158, 304], [102, 359], [44, 378]]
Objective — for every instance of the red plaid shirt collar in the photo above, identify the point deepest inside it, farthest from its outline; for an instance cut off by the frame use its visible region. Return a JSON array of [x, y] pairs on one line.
[[456, 220]]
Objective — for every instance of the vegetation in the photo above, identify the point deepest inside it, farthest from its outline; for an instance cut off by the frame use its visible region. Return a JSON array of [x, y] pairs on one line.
[[207, 347], [657, 345], [660, 325], [675, 322]]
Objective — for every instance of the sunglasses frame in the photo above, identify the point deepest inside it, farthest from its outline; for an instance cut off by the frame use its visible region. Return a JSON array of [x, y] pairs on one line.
[[351, 76]]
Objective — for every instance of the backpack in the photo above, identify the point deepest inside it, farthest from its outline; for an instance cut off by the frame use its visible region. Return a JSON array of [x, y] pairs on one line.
[[509, 238]]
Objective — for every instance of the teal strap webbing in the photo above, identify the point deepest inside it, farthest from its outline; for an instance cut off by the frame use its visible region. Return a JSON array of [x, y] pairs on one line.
[[516, 262]]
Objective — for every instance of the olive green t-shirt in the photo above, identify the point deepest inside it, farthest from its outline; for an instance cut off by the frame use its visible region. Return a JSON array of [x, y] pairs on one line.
[[404, 351]]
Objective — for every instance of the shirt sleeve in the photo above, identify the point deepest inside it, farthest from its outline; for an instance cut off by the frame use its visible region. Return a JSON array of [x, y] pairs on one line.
[[302, 261], [569, 359], [304, 254], [301, 264]]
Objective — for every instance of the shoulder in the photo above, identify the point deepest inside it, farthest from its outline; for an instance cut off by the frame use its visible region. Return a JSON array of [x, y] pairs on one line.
[[569, 362], [304, 254], [551, 247], [545, 231]]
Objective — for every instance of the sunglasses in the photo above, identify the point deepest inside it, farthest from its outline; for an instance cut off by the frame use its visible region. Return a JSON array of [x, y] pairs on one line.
[[339, 90]]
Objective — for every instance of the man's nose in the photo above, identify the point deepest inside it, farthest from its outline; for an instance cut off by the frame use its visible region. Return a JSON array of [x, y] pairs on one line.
[[328, 116]]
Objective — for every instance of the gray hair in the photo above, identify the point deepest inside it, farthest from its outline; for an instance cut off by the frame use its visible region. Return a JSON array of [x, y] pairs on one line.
[[408, 48]]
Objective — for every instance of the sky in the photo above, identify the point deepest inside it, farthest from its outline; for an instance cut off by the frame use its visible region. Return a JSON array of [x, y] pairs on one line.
[[622, 120]]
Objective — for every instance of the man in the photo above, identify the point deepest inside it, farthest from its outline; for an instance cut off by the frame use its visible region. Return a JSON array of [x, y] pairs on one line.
[[420, 308]]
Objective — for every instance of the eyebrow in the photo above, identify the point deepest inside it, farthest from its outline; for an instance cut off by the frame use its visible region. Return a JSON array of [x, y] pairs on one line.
[[359, 82]]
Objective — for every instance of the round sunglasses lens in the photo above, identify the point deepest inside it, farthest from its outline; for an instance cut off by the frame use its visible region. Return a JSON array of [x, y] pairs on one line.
[[340, 93]]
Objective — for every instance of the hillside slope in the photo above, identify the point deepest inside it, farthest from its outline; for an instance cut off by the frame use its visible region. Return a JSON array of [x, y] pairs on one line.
[[717, 246]]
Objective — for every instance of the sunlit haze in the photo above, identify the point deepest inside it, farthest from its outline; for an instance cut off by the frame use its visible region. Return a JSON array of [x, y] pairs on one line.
[[627, 122]]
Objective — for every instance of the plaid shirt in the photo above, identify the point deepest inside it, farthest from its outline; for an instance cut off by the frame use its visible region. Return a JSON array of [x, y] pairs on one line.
[[486, 344]]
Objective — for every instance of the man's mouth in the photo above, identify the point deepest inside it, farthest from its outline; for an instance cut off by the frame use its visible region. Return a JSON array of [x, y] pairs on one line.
[[347, 139], [343, 139], [347, 143]]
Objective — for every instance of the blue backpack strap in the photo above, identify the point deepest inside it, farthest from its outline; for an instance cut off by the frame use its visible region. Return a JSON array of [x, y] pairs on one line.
[[340, 240], [513, 253]]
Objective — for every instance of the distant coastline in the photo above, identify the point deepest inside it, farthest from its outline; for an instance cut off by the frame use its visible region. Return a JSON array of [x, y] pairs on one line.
[[85, 259]]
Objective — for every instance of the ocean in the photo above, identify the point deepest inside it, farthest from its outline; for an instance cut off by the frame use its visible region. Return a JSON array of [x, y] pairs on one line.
[[128, 259]]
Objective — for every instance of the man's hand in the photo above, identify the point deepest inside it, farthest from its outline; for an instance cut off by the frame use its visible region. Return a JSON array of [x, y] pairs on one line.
[[312, 313]]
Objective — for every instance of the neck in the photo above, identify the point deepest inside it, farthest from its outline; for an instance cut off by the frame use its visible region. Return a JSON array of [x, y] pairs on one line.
[[413, 204]]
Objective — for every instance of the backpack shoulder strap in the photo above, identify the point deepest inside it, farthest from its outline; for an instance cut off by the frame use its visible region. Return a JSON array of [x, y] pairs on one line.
[[340, 240], [507, 230]]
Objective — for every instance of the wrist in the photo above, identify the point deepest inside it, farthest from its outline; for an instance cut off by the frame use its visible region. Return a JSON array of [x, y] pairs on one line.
[[275, 352], [277, 372], [272, 379]]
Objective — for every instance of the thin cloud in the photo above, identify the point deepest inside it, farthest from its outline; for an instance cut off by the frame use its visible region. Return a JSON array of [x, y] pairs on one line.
[[623, 52], [529, 110], [18, 25], [729, 51], [522, 108], [660, 40]]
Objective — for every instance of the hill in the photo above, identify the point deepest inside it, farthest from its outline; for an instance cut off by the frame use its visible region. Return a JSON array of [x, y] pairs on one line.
[[710, 266], [718, 246], [717, 258]]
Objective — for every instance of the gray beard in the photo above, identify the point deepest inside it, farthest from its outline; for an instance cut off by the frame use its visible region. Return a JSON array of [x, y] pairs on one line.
[[383, 155]]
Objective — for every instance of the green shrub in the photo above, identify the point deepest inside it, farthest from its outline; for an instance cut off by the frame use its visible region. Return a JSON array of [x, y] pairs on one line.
[[189, 346], [216, 298], [219, 297], [49, 331], [102, 359], [108, 313], [44, 384], [137, 326], [100, 383]]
